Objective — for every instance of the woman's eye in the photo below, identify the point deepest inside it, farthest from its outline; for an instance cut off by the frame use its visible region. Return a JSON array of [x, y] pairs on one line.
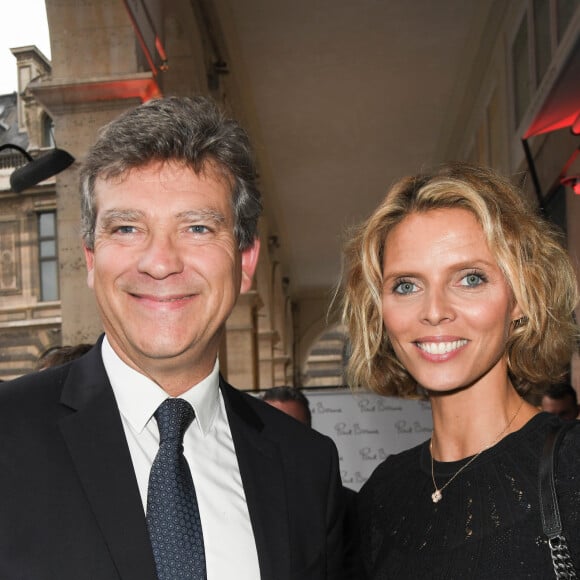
[[473, 279], [404, 287]]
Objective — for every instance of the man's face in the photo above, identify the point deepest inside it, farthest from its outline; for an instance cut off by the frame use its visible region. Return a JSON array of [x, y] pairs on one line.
[[564, 408], [166, 269]]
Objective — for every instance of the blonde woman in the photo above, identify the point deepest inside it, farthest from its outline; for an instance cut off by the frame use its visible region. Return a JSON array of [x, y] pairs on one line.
[[456, 289]]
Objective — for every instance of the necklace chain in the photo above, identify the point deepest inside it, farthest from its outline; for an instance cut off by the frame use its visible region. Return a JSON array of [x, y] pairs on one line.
[[437, 495]]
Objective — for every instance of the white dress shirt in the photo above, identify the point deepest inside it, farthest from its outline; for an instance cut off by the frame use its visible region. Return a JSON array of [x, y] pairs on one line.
[[230, 548]]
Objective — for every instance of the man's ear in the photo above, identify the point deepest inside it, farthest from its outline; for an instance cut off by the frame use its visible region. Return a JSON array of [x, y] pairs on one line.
[[90, 261], [249, 263]]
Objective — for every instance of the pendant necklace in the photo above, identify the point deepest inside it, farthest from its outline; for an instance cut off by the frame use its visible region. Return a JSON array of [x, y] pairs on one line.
[[437, 495]]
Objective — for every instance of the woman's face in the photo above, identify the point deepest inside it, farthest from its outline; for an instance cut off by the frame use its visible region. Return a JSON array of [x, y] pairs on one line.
[[447, 307]]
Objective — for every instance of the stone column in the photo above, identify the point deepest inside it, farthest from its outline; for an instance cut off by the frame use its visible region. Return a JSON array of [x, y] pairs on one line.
[[242, 347], [266, 341]]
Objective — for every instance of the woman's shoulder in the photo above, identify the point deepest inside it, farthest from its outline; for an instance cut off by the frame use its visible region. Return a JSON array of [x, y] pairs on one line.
[[568, 452], [544, 423], [531, 437], [569, 449], [572, 430]]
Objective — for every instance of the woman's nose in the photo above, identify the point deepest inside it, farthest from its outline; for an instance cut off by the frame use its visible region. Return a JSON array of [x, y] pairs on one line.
[[437, 307]]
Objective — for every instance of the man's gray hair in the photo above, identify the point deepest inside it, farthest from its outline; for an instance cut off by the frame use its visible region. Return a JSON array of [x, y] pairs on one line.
[[192, 131]]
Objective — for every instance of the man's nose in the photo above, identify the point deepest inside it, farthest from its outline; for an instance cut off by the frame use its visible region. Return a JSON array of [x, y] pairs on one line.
[[161, 257]]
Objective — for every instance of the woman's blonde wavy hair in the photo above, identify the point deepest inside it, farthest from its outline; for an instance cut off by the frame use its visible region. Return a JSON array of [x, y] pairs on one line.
[[527, 249]]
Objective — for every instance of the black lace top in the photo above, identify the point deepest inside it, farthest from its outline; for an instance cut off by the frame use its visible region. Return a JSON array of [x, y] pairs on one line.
[[487, 526]]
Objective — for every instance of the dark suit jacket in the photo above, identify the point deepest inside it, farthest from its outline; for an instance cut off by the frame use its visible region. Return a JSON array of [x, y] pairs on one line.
[[69, 503]]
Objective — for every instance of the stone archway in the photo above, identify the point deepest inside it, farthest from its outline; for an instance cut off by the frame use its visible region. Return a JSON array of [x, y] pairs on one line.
[[326, 359]]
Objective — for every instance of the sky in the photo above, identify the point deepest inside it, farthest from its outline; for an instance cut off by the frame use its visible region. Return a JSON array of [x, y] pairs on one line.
[[26, 25]]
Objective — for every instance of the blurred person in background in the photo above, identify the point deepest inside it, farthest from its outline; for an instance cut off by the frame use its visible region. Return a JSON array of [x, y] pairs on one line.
[[291, 401], [59, 355], [561, 399]]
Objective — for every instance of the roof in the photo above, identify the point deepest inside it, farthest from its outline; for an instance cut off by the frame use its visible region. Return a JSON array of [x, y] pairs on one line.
[[9, 129]]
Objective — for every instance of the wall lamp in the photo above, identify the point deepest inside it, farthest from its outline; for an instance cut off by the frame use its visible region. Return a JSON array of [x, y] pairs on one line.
[[572, 181], [39, 169]]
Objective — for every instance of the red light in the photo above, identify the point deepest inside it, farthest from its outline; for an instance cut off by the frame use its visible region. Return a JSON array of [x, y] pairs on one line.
[[573, 182], [576, 126]]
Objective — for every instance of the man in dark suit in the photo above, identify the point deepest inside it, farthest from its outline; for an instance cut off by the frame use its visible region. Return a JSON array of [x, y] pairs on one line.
[[294, 402], [237, 489]]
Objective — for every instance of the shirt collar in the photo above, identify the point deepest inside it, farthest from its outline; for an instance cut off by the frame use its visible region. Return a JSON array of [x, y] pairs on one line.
[[138, 396]]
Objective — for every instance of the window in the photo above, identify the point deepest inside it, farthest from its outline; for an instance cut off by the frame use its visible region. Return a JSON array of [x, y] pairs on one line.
[[47, 131], [48, 258]]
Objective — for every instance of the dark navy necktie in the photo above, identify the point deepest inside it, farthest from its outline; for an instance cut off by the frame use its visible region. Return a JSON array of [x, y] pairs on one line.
[[172, 513]]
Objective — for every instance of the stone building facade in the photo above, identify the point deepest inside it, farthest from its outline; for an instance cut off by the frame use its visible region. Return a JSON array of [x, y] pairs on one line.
[[30, 307]]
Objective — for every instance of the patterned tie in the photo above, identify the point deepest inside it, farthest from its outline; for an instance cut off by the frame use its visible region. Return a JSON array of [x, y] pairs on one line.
[[172, 512]]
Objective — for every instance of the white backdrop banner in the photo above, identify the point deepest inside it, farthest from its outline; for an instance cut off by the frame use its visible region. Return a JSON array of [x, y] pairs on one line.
[[367, 428]]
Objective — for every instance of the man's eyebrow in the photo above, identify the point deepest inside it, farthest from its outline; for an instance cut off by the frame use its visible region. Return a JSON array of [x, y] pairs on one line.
[[119, 215], [132, 215], [212, 215]]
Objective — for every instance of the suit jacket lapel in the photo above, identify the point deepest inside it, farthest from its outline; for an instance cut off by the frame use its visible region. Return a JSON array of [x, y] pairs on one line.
[[264, 485], [96, 441]]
